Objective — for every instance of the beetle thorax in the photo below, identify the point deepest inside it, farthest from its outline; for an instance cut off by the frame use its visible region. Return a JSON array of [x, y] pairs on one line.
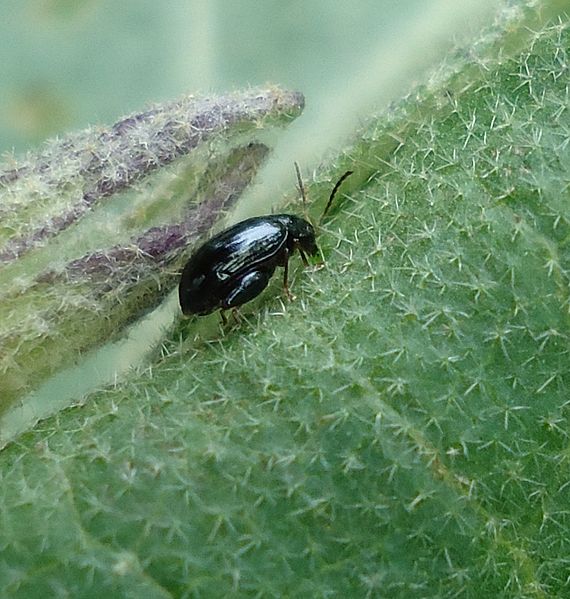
[[300, 233]]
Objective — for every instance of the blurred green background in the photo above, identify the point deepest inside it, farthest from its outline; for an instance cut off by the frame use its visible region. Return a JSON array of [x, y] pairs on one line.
[[68, 63]]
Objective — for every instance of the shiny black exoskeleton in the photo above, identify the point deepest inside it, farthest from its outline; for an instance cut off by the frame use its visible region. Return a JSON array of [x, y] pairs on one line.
[[236, 265]]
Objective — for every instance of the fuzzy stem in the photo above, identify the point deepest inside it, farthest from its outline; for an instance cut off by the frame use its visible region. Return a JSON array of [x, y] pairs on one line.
[[50, 190], [58, 300]]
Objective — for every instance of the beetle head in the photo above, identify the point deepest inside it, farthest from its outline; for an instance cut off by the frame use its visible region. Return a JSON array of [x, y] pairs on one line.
[[302, 235]]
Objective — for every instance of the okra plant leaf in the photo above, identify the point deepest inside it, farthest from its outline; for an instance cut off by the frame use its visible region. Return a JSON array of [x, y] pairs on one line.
[[399, 430]]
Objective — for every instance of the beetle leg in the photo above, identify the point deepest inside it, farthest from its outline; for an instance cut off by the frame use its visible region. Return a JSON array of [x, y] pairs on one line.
[[288, 293], [306, 264], [235, 316]]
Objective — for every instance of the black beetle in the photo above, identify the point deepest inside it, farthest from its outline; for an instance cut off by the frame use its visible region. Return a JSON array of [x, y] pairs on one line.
[[236, 265]]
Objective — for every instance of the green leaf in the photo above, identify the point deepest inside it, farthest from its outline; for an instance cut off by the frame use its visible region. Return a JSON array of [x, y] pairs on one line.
[[400, 430]]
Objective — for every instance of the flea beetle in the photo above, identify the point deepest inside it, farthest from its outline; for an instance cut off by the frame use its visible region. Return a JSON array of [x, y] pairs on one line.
[[236, 265]]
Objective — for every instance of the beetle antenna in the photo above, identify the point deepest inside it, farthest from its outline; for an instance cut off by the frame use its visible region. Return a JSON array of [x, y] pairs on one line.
[[333, 193], [301, 186]]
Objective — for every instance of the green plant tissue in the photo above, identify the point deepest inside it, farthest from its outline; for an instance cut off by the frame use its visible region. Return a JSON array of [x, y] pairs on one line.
[[400, 430]]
